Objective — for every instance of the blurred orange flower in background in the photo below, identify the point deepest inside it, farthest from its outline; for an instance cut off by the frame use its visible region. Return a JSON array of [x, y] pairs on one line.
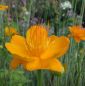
[[38, 50], [3, 7], [77, 32], [9, 31]]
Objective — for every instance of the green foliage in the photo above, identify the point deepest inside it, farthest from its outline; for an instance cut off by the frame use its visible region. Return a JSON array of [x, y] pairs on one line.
[[15, 77]]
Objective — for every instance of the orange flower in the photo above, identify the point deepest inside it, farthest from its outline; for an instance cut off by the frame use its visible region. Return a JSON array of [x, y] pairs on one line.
[[38, 50], [77, 33], [9, 31], [3, 7]]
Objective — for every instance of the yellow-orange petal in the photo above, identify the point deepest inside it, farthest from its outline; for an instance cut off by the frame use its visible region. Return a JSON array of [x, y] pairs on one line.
[[7, 31], [57, 48], [3, 7], [17, 46], [77, 39], [82, 35], [17, 60], [77, 32], [50, 64], [83, 38], [55, 65], [37, 39], [14, 63], [75, 29], [13, 31], [52, 38], [10, 31], [33, 65]]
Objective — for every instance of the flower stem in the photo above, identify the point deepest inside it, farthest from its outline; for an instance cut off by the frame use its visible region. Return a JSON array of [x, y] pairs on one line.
[[39, 78], [82, 10]]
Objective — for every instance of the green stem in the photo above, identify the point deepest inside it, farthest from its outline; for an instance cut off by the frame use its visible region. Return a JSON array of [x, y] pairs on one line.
[[74, 3], [39, 78], [82, 10]]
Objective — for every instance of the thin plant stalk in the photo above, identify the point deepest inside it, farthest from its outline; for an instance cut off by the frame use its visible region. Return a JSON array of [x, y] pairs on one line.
[[82, 10], [39, 78]]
